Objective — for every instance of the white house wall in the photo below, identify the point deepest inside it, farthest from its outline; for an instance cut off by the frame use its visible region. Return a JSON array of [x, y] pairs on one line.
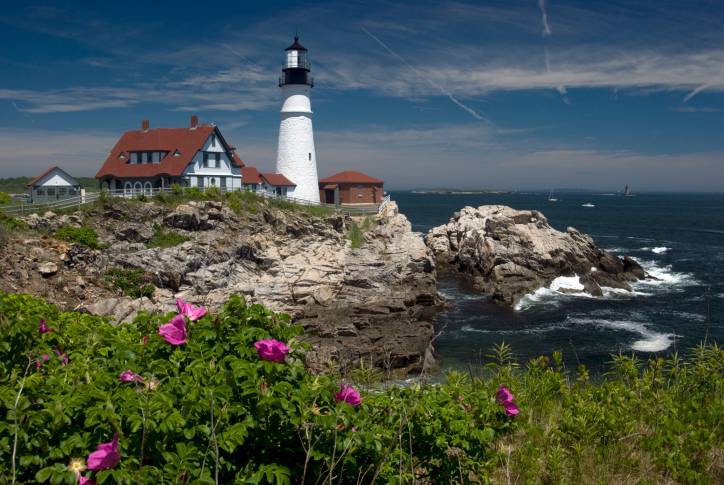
[[225, 169], [56, 179]]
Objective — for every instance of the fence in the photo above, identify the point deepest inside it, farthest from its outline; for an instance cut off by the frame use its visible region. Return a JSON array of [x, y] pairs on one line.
[[80, 200]]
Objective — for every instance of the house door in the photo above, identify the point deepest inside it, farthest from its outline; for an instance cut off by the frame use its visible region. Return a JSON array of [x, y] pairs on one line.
[[329, 196]]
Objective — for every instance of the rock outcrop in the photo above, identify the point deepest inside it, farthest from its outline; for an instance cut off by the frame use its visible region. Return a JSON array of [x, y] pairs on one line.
[[509, 253], [374, 303]]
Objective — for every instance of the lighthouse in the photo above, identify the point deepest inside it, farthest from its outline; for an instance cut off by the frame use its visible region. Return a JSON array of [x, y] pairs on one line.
[[296, 158]]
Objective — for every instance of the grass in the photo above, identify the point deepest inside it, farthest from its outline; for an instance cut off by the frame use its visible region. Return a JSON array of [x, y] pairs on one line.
[[163, 238], [133, 282], [85, 236], [355, 236]]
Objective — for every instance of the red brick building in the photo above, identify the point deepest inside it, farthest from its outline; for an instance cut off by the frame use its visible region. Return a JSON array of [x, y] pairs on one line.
[[351, 187]]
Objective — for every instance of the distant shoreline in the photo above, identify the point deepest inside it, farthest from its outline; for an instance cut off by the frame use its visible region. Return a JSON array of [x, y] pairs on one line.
[[458, 192]]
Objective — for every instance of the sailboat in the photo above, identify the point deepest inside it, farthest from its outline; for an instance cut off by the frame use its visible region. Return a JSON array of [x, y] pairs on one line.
[[551, 198], [627, 192]]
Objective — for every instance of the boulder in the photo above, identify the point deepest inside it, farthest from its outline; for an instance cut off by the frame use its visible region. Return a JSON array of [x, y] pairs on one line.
[[184, 217], [47, 269], [131, 232], [509, 253]]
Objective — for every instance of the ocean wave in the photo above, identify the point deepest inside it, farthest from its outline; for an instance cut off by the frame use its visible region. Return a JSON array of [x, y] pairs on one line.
[[665, 276], [561, 288], [656, 250], [651, 341], [534, 330]]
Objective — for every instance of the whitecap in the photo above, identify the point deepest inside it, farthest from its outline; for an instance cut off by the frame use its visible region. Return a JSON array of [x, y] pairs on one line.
[[559, 289], [660, 249], [651, 341], [663, 276], [533, 330]]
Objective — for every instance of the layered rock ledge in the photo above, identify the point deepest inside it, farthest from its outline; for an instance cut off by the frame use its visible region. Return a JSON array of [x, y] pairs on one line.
[[373, 304], [509, 253]]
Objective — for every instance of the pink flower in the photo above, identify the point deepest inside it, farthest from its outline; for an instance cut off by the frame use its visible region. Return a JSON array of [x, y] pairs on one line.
[[106, 455], [505, 398], [43, 328], [348, 394], [62, 356], [129, 376], [85, 480], [192, 312], [174, 332], [504, 395], [511, 409], [272, 350]]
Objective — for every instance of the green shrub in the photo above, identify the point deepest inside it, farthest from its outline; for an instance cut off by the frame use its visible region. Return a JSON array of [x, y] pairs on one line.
[[5, 199], [164, 238], [211, 411], [85, 236], [133, 282]]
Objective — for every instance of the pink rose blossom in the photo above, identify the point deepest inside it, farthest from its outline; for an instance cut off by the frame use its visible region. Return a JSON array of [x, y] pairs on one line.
[[192, 312], [511, 409], [43, 328], [505, 398], [174, 332], [85, 480], [271, 350], [129, 376], [106, 455], [504, 395], [348, 394]]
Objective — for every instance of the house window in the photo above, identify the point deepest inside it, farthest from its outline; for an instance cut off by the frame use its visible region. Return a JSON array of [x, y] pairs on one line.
[[127, 187], [134, 157], [200, 182], [39, 192], [222, 182], [213, 140], [213, 181], [310, 155], [51, 191], [217, 160], [206, 160]]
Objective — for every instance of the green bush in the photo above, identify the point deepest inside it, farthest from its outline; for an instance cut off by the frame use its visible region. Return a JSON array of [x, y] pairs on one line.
[[163, 238], [85, 236], [5, 199], [133, 282], [212, 411]]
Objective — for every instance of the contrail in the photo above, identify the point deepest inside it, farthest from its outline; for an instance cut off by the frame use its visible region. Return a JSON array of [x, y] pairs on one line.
[[432, 83], [695, 92], [546, 27]]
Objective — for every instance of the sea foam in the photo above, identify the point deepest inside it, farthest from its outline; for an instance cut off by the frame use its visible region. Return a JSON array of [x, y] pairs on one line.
[[651, 341]]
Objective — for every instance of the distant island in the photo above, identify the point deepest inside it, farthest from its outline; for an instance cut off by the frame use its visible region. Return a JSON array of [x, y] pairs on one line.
[[446, 191]]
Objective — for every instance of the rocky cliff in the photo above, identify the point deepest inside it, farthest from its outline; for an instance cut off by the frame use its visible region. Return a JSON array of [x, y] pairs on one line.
[[509, 253], [374, 303]]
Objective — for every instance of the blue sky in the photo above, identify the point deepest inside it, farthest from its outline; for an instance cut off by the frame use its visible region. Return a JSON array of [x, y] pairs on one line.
[[503, 94]]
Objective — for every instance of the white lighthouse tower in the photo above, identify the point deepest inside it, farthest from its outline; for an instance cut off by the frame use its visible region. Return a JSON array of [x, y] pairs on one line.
[[296, 158]]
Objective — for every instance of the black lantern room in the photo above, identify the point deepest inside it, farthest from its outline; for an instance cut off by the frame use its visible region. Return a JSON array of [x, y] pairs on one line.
[[296, 65]]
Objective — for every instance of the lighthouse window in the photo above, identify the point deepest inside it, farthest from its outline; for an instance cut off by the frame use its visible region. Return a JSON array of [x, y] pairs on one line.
[[310, 155]]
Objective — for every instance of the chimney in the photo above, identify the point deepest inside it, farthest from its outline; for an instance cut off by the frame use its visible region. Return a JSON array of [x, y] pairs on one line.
[[194, 122], [144, 125]]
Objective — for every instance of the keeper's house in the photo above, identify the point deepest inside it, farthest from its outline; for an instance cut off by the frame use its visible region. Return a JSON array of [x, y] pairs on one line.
[[51, 185], [197, 156], [350, 188]]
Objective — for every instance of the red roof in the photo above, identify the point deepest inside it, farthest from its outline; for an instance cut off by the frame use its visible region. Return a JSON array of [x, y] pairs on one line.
[[351, 177], [185, 141], [277, 179], [250, 175], [48, 172]]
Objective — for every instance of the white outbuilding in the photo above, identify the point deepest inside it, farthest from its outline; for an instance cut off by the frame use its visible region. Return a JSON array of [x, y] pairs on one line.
[[51, 185]]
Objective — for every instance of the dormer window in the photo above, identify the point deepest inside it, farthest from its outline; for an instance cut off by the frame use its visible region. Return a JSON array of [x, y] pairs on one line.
[[213, 140]]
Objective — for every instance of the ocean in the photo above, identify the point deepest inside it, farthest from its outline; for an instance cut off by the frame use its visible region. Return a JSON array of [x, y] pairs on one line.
[[678, 238]]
